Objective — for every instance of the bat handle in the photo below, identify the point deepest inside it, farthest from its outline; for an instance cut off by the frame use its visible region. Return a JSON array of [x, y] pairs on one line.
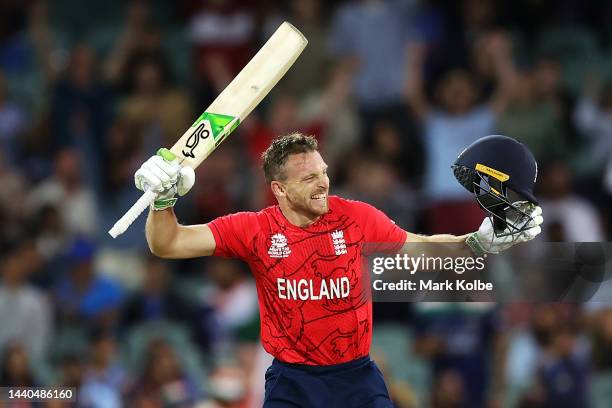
[[130, 216]]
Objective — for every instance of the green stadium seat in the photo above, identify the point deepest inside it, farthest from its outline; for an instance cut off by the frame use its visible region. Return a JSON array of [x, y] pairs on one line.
[[567, 42], [601, 390], [177, 45], [103, 38], [576, 48], [68, 341], [81, 16]]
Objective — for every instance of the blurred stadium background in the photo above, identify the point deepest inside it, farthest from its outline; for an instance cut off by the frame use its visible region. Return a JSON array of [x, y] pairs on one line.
[[393, 90]]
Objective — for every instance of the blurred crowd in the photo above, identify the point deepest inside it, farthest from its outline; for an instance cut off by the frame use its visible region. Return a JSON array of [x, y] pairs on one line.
[[392, 89]]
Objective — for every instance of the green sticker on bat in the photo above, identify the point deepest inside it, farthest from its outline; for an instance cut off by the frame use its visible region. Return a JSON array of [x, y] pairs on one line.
[[218, 122]]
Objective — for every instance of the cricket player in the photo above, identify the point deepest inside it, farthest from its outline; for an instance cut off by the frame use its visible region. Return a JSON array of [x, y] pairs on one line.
[[305, 255]]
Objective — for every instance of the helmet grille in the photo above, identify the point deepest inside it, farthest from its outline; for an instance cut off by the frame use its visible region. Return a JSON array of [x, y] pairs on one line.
[[465, 176]]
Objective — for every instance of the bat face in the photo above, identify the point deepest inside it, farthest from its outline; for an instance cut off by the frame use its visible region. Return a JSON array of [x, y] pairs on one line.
[[206, 133]]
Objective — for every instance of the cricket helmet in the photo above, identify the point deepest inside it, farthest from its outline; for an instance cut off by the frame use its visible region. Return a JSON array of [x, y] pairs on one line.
[[501, 172]]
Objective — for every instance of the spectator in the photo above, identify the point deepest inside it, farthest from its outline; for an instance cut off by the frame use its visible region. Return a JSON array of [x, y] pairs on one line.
[[123, 139], [28, 43], [453, 123], [593, 117], [335, 108], [327, 114], [460, 340], [72, 368], [224, 185], [389, 146], [25, 312], [564, 372], [69, 192], [222, 33], [315, 62], [600, 330], [449, 391], [526, 345], [95, 395], [163, 381], [401, 392], [574, 218], [287, 114], [157, 300], [139, 36], [80, 112], [13, 194], [12, 123], [227, 387], [370, 40], [104, 366], [234, 299], [534, 121], [15, 371], [283, 117], [464, 23], [548, 73], [365, 33], [82, 295], [373, 181], [52, 238], [154, 104]]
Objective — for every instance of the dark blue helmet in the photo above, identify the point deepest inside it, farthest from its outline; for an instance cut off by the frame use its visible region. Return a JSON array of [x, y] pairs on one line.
[[500, 171]]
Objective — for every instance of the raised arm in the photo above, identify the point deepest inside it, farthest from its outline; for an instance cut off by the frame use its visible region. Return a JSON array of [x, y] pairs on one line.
[[587, 114], [165, 236], [443, 245], [499, 47], [168, 239], [415, 84], [483, 241]]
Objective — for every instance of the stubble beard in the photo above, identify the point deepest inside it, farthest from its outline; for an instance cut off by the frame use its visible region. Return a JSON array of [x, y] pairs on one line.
[[305, 207]]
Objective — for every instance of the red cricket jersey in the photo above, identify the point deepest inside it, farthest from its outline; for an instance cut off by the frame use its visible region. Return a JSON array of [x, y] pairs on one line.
[[314, 301]]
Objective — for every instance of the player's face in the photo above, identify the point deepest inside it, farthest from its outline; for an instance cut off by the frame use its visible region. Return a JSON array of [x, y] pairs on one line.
[[307, 184]]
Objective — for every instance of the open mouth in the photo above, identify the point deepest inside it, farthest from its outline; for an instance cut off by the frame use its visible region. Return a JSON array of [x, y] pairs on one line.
[[318, 197]]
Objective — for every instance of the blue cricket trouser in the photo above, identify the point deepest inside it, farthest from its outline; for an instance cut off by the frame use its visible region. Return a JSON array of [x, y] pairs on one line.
[[356, 384]]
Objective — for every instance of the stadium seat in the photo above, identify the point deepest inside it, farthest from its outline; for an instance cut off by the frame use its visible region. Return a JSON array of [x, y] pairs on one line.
[[102, 38], [601, 390], [567, 43], [177, 45], [576, 48]]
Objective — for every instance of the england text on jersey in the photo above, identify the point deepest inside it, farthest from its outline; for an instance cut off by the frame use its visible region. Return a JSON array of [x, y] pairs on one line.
[[305, 289]]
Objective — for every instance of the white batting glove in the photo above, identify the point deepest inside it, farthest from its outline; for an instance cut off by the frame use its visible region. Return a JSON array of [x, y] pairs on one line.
[[163, 173], [485, 241]]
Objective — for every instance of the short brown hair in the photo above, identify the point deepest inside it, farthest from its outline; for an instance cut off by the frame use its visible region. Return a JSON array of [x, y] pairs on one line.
[[275, 156]]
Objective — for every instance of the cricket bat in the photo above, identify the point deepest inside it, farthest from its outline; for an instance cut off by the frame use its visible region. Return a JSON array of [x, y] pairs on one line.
[[226, 112]]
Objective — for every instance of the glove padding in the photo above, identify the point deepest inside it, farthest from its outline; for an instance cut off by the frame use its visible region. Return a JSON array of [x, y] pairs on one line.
[[485, 241], [163, 173]]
